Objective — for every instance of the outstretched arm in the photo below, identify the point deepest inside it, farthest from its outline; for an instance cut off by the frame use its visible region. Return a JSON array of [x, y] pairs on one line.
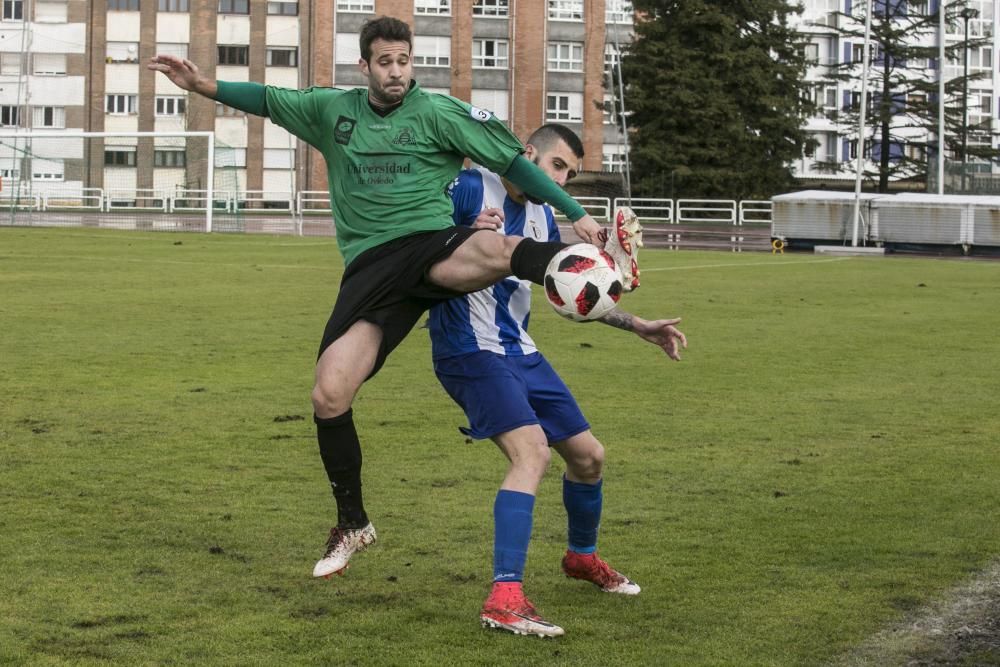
[[184, 74], [661, 333], [249, 97]]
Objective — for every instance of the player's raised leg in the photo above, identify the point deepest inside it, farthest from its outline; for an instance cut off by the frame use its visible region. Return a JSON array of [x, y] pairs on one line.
[[507, 608], [342, 368], [583, 499], [623, 245]]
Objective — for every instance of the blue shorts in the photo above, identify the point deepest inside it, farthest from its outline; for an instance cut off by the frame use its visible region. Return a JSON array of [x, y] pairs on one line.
[[500, 393]]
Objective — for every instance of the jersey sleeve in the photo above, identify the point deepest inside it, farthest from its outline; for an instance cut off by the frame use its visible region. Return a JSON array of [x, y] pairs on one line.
[[466, 193], [475, 133], [301, 111]]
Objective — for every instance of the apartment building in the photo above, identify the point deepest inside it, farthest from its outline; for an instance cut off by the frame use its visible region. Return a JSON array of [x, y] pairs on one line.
[[80, 65], [838, 142]]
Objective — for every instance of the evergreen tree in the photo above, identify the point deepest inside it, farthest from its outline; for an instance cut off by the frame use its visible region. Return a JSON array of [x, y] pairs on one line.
[[717, 98]]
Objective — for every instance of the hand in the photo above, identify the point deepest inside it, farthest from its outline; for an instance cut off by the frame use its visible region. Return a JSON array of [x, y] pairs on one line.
[[489, 218], [588, 230], [183, 73], [663, 334]]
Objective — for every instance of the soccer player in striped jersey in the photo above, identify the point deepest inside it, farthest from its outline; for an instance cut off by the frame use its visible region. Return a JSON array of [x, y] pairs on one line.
[[490, 366]]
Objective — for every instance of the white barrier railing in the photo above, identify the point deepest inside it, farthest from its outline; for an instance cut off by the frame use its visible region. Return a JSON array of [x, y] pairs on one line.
[[649, 209], [598, 207], [140, 199], [254, 201], [755, 212], [83, 199], [197, 200], [706, 210], [313, 201], [19, 201]]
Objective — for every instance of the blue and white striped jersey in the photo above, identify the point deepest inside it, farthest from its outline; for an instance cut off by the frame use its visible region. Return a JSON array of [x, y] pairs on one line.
[[494, 319]]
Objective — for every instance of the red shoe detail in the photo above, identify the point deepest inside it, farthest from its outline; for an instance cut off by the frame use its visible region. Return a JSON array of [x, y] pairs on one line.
[[590, 567]]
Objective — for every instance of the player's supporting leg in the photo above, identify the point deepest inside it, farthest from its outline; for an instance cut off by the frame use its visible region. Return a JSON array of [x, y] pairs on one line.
[[340, 372], [583, 499], [507, 608], [483, 259]]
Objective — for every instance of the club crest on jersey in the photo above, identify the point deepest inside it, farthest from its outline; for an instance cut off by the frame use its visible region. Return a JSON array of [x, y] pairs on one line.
[[405, 137], [343, 130], [535, 229], [482, 115]]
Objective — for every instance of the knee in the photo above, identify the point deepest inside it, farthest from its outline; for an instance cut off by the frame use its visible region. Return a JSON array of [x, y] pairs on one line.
[[589, 464], [329, 400], [534, 458]]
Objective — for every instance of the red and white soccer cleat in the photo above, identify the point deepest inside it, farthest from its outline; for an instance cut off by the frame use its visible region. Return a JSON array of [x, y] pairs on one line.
[[507, 609], [590, 567], [341, 545], [623, 245]]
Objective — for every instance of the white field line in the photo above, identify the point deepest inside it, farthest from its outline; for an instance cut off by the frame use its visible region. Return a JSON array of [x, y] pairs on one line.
[[928, 631], [741, 264]]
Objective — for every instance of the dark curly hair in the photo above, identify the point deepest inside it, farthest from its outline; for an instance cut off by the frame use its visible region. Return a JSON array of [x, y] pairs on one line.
[[384, 27]]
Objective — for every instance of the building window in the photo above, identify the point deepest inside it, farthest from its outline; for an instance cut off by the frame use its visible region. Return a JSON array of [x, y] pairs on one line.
[[283, 8], [234, 55], [122, 52], [12, 64], [179, 49], [566, 10], [10, 115], [13, 10], [47, 170], [278, 158], [119, 156], [918, 7], [169, 158], [564, 107], [496, 101], [566, 56], [439, 7], [119, 105], [48, 117], [230, 157], [123, 5], [10, 173], [489, 53], [612, 56], [613, 158], [173, 5], [170, 105], [618, 11], [282, 57], [432, 51], [346, 49], [490, 8], [234, 6], [608, 108], [223, 111], [49, 64], [50, 11], [361, 6]]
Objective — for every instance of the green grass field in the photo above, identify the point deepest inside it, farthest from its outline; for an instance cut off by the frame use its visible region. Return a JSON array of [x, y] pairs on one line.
[[823, 462]]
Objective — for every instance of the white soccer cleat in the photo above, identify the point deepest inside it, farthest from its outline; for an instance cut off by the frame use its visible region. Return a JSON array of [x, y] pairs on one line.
[[341, 545], [623, 245]]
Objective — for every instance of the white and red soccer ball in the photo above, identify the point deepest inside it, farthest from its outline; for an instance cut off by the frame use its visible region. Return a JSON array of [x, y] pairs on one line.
[[582, 282]]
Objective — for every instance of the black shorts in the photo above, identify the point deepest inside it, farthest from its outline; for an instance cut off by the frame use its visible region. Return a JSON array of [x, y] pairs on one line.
[[388, 286]]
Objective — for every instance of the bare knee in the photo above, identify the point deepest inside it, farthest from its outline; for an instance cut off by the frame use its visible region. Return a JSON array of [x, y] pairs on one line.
[[330, 400], [585, 463], [532, 460]]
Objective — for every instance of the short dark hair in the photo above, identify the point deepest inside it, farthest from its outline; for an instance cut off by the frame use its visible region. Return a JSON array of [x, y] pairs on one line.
[[549, 134], [384, 27]]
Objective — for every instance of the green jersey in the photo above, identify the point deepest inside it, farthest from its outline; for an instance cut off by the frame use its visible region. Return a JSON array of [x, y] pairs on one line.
[[388, 175]]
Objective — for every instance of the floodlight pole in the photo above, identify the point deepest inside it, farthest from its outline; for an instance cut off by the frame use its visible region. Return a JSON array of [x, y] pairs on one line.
[[966, 14], [941, 95], [859, 164]]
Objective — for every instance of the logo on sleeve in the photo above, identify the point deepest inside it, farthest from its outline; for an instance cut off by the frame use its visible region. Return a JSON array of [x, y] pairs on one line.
[[343, 130], [482, 115]]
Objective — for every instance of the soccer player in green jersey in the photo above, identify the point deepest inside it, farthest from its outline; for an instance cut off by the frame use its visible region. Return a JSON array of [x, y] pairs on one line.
[[391, 150]]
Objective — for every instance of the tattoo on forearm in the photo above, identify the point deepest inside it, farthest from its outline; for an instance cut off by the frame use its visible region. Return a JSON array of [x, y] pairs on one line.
[[619, 319]]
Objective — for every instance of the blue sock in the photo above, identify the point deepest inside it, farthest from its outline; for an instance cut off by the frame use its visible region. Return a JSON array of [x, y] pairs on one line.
[[511, 534], [583, 510]]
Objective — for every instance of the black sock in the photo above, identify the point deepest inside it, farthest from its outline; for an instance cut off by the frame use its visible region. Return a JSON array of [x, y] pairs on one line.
[[530, 259], [341, 453]]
